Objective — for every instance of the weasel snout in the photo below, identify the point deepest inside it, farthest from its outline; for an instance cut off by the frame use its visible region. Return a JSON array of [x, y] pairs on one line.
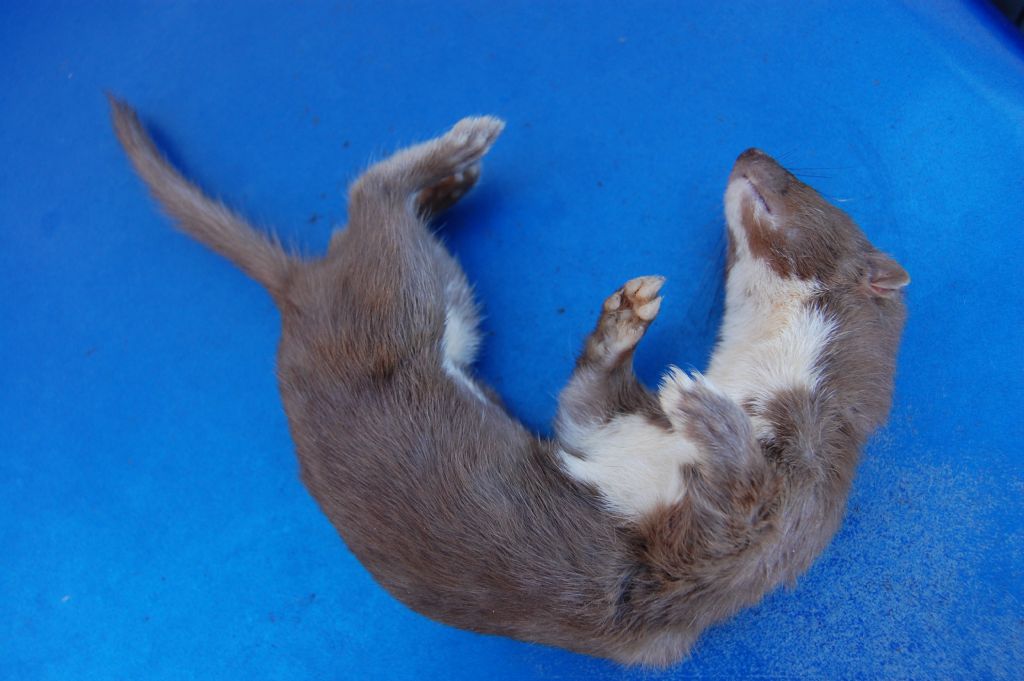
[[769, 181]]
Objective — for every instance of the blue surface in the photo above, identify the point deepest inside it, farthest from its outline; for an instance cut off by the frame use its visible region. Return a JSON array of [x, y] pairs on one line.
[[153, 525]]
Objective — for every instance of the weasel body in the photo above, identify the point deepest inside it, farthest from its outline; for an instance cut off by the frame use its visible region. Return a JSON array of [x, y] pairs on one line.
[[650, 516]]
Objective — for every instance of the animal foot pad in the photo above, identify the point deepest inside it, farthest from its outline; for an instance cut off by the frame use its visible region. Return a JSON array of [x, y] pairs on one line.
[[625, 316], [469, 140], [447, 192]]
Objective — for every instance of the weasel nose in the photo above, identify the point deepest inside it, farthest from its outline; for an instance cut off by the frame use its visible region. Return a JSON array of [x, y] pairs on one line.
[[762, 169], [751, 154]]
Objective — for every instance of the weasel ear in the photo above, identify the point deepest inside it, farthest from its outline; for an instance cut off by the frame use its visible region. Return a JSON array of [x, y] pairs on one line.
[[885, 276]]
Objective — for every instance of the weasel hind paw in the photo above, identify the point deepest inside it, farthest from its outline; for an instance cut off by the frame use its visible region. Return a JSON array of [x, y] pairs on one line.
[[446, 193], [469, 140]]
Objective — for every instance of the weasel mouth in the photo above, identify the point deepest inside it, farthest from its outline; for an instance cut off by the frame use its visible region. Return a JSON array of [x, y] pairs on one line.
[[758, 195]]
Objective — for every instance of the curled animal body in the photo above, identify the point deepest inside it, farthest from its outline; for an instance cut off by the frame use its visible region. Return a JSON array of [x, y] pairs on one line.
[[651, 514]]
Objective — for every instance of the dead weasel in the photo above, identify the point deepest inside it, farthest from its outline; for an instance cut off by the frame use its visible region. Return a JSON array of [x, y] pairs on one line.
[[650, 516]]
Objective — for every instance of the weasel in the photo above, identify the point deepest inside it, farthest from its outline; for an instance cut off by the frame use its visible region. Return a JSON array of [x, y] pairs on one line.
[[650, 515]]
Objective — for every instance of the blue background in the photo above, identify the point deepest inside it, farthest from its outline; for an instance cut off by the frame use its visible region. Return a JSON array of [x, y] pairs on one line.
[[152, 523]]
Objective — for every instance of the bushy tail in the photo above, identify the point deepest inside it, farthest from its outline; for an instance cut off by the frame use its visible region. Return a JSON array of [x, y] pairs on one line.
[[210, 222]]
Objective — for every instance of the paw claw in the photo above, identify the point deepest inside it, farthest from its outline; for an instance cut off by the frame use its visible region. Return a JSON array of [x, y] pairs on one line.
[[644, 288], [649, 311], [613, 302], [626, 314]]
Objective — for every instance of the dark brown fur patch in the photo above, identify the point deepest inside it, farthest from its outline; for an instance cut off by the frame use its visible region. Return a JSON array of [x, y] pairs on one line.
[[763, 242]]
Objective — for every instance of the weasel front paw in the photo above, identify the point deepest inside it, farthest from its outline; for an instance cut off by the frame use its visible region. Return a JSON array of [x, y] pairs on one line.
[[625, 316], [703, 413]]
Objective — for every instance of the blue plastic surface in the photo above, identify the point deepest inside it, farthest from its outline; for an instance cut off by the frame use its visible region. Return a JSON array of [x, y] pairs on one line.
[[153, 526]]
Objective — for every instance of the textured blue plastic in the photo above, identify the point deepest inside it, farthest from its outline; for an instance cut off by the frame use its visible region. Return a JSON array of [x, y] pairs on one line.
[[152, 523]]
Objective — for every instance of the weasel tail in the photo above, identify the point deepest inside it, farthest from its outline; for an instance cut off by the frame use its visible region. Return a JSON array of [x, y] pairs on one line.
[[206, 220]]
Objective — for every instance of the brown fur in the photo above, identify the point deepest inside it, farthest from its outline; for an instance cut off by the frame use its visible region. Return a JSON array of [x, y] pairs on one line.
[[466, 517]]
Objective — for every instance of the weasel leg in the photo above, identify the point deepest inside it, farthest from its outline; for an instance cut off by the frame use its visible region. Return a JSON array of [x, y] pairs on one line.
[[610, 428], [603, 384], [408, 291], [424, 166], [732, 493]]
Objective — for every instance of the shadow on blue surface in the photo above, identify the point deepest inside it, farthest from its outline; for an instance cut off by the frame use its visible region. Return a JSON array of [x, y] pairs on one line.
[[154, 526]]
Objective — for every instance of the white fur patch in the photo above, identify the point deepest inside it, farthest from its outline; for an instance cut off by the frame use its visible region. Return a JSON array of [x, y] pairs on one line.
[[457, 374], [458, 347], [461, 339], [635, 464], [770, 338], [739, 191]]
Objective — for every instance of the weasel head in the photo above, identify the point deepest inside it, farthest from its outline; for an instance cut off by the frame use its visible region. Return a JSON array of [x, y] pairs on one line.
[[774, 217]]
